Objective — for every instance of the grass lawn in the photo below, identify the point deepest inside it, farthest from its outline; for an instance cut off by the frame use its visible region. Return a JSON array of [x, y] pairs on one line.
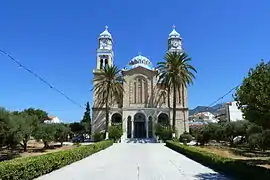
[[255, 157], [34, 148]]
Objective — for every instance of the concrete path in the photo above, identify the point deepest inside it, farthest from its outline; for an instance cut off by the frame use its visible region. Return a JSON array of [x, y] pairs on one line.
[[134, 161]]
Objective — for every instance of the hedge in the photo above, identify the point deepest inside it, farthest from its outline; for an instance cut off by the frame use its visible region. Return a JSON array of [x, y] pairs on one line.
[[31, 167], [232, 167]]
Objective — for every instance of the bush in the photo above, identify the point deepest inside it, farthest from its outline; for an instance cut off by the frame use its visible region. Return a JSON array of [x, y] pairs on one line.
[[255, 140], [164, 132], [259, 140], [115, 132], [98, 136], [253, 129], [217, 131], [31, 167], [185, 138], [202, 134], [236, 168], [266, 139]]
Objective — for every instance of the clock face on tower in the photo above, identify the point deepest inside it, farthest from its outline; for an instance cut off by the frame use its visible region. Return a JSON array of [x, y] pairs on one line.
[[103, 43], [175, 44]]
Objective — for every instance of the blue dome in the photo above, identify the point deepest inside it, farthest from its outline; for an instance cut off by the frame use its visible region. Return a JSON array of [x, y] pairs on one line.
[[139, 61], [105, 33], [174, 34]]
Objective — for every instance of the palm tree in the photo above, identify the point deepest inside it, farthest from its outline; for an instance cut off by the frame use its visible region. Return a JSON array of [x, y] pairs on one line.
[[176, 72], [108, 86]]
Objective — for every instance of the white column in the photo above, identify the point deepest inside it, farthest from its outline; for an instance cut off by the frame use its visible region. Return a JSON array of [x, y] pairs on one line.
[[109, 61], [98, 62], [132, 128], [124, 127]]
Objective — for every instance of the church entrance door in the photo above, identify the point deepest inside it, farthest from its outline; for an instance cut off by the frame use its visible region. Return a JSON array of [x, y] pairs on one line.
[[139, 126]]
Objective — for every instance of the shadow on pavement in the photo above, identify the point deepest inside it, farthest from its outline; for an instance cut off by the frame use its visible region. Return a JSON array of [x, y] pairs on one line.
[[211, 176], [141, 141]]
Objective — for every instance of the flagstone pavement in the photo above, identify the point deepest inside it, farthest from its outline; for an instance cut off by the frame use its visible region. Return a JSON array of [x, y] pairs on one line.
[[135, 161]]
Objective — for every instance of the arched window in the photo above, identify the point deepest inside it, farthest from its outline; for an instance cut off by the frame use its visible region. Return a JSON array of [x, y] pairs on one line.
[[134, 92], [145, 93], [163, 95], [139, 90], [163, 119], [101, 64], [116, 119], [140, 98]]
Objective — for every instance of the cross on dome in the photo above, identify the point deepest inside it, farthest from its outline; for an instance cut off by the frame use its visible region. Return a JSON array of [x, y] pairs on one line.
[[106, 27], [173, 26]]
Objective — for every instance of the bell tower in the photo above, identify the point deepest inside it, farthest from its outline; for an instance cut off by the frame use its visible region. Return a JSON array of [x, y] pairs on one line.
[[105, 50], [104, 58], [175, 41]]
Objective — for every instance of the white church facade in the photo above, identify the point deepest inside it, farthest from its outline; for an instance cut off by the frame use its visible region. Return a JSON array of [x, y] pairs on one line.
[[145, 103]]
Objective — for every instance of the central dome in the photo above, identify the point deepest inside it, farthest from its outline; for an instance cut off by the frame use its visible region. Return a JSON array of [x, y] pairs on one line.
[[139, 61]]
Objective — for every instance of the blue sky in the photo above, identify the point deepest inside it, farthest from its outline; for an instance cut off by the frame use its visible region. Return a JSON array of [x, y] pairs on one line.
[[58, 40]]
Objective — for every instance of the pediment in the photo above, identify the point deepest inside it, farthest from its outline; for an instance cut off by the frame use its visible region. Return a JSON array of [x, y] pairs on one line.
[[139, 70]]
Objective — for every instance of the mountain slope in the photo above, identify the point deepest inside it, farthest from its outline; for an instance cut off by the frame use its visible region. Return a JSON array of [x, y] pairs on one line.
[[199, 109]]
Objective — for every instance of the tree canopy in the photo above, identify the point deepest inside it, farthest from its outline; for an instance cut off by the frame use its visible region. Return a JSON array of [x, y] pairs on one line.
[[108, 88], [77, 128], [86, 117], [86, 121], [17, 127], [176, 72], [41, 115], [253, 95]]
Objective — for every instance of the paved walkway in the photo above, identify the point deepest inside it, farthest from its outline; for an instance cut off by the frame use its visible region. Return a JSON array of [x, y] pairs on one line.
[[134, 161]]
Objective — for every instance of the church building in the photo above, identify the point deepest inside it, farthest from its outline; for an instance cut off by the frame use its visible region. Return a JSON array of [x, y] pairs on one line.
[[145, 103]]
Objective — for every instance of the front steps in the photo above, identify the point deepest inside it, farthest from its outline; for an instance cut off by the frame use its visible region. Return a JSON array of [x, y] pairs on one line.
[[139, 140]]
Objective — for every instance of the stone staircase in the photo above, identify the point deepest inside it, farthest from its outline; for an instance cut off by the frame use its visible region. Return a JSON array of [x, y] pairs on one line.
[[139, 140]]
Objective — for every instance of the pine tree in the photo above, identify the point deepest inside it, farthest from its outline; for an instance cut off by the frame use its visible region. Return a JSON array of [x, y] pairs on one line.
[[86, 121]]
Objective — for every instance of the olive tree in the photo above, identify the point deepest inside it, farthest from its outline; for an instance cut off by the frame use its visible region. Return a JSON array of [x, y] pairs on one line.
[[253, 96]]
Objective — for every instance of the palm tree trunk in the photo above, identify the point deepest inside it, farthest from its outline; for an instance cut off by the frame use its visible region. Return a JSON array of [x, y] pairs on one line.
[[183, 103], [174, 106], [107, 111], [107, 117], [169, 92]]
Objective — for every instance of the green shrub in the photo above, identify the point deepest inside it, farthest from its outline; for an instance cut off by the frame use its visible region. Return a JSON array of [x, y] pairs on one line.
[[236, 168], [99, 136], [115, 132], [255, 140], [259, 140], [266, 139], [253, 129], [31, 167], [185, 138], [203, 135], [164, 132]]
